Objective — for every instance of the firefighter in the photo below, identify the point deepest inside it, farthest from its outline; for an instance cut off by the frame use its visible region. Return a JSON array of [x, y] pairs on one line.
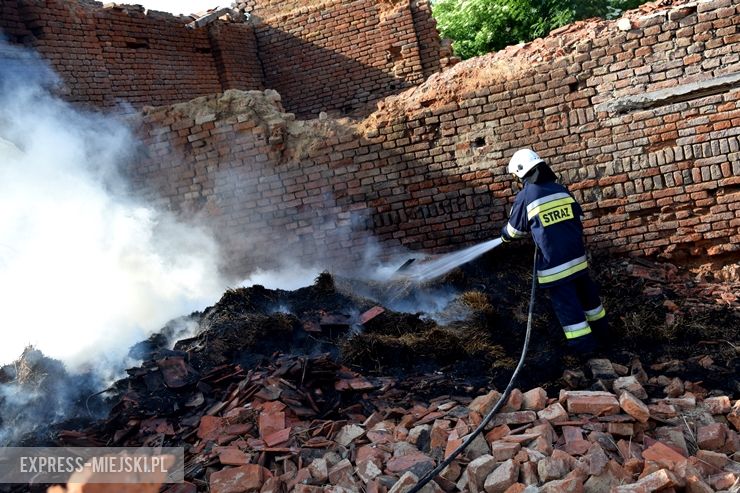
[[549, 212]]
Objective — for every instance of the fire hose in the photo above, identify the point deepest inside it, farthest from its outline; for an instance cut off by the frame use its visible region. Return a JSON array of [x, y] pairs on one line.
[[433, 473]]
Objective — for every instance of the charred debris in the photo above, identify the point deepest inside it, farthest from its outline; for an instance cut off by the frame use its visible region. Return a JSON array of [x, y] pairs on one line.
[[335, 386]]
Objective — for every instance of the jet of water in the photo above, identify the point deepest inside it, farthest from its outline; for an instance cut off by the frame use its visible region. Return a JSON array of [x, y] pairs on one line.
[[426, 271]]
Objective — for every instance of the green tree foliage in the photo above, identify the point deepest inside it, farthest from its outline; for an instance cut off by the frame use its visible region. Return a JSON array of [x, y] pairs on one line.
[[480, 26]]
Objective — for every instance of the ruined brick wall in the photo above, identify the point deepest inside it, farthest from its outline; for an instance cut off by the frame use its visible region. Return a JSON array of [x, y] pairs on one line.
[[429, 40], [259, 179], [641, 120], [321, 55], [236, 56], [106, 56], [338, 54]]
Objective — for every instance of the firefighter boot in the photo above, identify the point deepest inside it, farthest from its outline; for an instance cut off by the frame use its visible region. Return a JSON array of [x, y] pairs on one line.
[[582, 347], [600, 330]]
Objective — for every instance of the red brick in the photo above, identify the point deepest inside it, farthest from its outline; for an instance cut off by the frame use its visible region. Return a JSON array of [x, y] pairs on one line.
[[504, 476], [717, 405], [712, 436], [535, 399], [553, 413], [634, 407], [588, 402], [653, 482], [663, 455], [210, 427], [502, 451], [232, 456], [242, 479]]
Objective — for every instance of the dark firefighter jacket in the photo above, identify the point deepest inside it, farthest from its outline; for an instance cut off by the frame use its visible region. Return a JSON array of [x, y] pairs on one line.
[[553, 217]]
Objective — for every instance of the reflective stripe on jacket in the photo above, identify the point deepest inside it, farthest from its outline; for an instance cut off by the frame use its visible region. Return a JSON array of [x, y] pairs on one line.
[[553, 217]]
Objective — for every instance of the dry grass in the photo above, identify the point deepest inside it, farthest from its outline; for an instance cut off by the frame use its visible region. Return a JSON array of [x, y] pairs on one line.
[[476, 300]]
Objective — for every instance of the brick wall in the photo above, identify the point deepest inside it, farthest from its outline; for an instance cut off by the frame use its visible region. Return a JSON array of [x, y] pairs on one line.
[[338, 54], [237, 59], [322, 55], [106, 56], [430, 49], [642, 124]]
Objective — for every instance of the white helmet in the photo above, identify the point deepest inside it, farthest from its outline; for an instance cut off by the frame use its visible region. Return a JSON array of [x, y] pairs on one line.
[[523, 161]]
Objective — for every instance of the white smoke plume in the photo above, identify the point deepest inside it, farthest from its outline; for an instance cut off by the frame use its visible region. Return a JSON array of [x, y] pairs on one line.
[[86, 269]]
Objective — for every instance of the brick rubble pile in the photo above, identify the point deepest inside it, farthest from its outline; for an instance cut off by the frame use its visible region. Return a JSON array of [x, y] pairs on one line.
[[267, 430]]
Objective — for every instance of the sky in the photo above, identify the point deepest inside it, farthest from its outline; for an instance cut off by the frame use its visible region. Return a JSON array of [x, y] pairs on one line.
[[180, 6]]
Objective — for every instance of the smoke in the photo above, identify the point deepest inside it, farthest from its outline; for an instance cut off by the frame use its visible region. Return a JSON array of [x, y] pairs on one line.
[[86, 269], [288, 277]]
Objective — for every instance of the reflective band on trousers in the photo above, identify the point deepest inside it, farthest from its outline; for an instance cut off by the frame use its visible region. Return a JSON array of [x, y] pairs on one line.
[[548, 202], [595, 314], [563, 270], [513, 232], [577, 330]]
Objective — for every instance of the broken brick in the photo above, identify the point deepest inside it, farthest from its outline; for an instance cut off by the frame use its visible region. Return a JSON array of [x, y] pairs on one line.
[[675, 388], [621, 429], [722, 481], [572, 483], [653, 482], [554, 467], [232, 456], [528, 473], [595, 403], [478, 470], [711, 437], [516, 488], [369, 469], [176, 372], [663, 410], [371, 314], [497, 432], [502, 477], [404, 483], [277, 438], [514, 402], [341, 474], [612, 475], [716, 460], [662, 455], [479, 446], [242, 479], [404, 463], [631, 385], [484, 403], [210, 427], [270, 423], [502, 451], [602, 369], [452, 471], [515, 418], [534, 400], [554, 413], [694, 484], [348, 434], [734, 416], [319, 469], [634, 407], [717, 405]]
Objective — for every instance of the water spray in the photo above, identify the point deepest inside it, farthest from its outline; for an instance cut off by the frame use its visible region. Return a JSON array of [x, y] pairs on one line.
[[426, 271]]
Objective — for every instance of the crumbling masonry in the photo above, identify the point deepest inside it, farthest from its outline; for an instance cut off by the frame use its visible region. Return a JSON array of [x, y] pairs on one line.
[[639, 117]]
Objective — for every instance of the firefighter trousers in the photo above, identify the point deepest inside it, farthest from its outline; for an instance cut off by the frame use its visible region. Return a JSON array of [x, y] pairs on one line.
[[578, 307]]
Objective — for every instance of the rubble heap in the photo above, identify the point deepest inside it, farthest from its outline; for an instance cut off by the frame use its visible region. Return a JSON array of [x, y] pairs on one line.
[[267, 397], [307, 424]]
